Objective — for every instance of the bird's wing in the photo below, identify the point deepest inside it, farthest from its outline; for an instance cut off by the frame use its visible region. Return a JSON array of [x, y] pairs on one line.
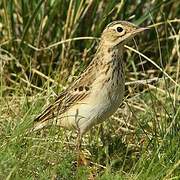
[[80, 89], [73, 95]]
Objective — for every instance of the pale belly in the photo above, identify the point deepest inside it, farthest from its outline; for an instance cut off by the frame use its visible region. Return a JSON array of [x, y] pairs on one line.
[[93, 110]]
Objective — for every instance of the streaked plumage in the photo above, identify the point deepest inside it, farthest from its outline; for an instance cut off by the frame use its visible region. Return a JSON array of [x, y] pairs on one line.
[[99, 91]]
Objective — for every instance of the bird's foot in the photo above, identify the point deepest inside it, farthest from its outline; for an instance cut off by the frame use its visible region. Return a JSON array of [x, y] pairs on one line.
[[83, 158]]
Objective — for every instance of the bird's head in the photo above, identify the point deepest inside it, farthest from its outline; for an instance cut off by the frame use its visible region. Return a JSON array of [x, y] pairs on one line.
[[119, 32]]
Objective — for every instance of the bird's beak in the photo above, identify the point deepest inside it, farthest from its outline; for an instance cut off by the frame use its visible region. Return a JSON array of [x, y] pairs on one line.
[[138, 30]]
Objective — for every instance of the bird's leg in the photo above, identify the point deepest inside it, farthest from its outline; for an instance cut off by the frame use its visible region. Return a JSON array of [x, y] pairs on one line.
[[78, 140], [78, 148], [81, 157], [81, 160]]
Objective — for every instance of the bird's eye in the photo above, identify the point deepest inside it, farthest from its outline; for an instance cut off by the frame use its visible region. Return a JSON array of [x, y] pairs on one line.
[[119, 29]]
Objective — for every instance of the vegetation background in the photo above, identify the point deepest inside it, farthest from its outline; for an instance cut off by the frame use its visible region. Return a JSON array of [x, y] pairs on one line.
[[44, 45]]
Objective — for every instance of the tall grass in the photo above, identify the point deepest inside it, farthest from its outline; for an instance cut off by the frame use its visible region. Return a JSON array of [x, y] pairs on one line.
[[44, 45]]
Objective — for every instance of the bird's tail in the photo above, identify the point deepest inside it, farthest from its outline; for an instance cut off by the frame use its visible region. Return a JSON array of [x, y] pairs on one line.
[[44, 119]]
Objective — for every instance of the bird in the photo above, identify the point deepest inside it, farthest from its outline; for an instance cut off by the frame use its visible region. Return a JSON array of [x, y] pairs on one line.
[[98, 92]]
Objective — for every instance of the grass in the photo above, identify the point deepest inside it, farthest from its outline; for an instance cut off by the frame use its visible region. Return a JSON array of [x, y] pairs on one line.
[[44, 45]]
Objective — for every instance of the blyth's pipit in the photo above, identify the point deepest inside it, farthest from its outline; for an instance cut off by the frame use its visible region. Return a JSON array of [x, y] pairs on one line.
[[99, 90]]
